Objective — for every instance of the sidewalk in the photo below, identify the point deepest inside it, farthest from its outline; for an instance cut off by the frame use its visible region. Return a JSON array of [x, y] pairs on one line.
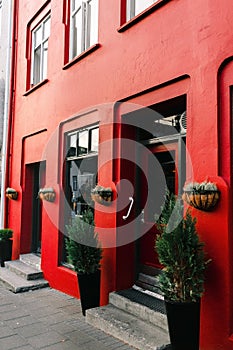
[[50, 320]]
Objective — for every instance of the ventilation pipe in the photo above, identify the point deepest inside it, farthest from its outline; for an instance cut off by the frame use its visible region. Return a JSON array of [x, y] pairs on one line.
[[6, 112]]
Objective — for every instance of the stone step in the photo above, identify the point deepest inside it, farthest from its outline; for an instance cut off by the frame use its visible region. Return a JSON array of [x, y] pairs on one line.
[[24, 270], [31, 259], [148, 282], [141, 305], [18, 284], [129, 328]]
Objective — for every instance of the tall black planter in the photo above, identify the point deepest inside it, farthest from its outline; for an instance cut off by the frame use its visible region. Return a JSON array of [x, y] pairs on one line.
[[183, 324], [89, 288], [5, 251]]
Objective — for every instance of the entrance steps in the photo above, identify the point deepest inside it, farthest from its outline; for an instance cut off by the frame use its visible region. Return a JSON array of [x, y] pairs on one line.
[[135, 317], [23, 275]]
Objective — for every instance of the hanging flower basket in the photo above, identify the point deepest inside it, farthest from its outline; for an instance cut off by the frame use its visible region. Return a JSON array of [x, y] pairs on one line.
[[11, 193], [47, 194], [102, 195], [202, 196]]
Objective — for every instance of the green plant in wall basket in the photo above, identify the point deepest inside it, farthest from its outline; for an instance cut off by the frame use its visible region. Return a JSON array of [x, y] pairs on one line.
[[203, 196]]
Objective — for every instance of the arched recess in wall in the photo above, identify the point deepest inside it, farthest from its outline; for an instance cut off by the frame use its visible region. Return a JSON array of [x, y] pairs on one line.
[[225, 152], [225, 119]]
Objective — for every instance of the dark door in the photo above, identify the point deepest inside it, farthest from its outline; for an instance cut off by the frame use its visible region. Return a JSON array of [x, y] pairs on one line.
[[160, 169], [38, 182]]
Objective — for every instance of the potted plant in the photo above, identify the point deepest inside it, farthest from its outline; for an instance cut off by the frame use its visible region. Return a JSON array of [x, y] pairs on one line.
[[182, 278], [203, 196], [84, 253], [101, 195], [5, 245]]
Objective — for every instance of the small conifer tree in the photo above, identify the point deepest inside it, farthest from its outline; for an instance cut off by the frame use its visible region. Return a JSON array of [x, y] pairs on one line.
[[180, 252], [82, 245]]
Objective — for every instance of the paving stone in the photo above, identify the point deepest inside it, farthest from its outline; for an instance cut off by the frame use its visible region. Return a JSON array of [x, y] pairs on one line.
[[67, 345], [6, 332], [42, 340], [12, 342], [20, 322], [32, 330]]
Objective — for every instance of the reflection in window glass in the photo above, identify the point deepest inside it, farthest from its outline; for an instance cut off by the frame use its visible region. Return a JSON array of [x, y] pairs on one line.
[[94, 140], [38, 36], [72, 151], [82, 142], [134, 7]]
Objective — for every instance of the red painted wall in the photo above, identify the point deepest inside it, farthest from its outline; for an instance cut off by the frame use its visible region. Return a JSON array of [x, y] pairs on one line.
[[178, 48]]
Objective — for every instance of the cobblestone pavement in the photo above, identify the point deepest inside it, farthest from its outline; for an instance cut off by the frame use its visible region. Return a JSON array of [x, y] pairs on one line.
[[50, 320]]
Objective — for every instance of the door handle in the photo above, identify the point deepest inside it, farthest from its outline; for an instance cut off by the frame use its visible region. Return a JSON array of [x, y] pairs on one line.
[[124, 217], [142, 216]]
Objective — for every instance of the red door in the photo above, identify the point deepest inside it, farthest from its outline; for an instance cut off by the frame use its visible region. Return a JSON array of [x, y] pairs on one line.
[[159, 163]]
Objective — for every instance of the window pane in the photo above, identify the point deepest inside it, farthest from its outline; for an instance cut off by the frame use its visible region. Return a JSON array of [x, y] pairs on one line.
[[72, 151], [134, 7], [37, 37], [92, 18], [76, 34], [45, 60], [75, 4], [46, 29], [37, 67], [82, 142], [94, 140]]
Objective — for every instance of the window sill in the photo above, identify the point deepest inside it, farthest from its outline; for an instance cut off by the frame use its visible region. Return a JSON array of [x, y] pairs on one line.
[[142, 15], [81, 56], [35, 87]]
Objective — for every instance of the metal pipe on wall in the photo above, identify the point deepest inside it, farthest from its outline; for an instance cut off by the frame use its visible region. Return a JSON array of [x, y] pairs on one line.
[[6, 111]]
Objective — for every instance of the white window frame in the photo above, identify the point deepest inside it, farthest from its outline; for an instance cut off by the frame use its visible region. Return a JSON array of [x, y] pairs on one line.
[[0, 18], [35, 79], [131, 10], [84, 39]]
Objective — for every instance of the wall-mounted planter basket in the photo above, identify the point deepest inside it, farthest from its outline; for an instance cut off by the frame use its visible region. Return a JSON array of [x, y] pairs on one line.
[[202, 196], [47, 194], [11, 193], [102, 195]]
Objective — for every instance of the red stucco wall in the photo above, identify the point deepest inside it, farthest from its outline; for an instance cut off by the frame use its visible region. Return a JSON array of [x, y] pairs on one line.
[[178, 48]]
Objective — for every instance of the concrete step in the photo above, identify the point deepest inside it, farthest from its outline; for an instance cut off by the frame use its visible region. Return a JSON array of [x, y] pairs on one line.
[[24, 270], [18, 284], [129, 328], [31, 259], [141, 305]]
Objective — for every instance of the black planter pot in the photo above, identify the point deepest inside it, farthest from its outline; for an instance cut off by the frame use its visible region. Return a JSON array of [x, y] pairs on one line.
[[89, 288], [5, 251], [183, 324]]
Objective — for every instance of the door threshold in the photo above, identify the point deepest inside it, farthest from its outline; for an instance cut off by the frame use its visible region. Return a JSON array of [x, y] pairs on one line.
[[148, 292]]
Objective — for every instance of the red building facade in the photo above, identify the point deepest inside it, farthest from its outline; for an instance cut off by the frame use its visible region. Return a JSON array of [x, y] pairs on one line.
[[100, 89]]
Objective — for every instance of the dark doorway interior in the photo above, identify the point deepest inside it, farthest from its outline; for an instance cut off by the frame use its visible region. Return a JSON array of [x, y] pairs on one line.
[[38, 182]]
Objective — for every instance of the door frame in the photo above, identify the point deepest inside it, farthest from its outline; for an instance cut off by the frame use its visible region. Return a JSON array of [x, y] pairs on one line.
[[162, 142]]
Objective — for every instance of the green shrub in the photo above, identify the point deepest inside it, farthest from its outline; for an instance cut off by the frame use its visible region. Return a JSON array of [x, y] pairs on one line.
[[83, 247], [181, 254], [5, 234]]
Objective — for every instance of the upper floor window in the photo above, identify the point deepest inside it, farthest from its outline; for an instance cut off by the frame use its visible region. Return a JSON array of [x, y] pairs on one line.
[[39, 54], [83, 26], [134, 7]]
